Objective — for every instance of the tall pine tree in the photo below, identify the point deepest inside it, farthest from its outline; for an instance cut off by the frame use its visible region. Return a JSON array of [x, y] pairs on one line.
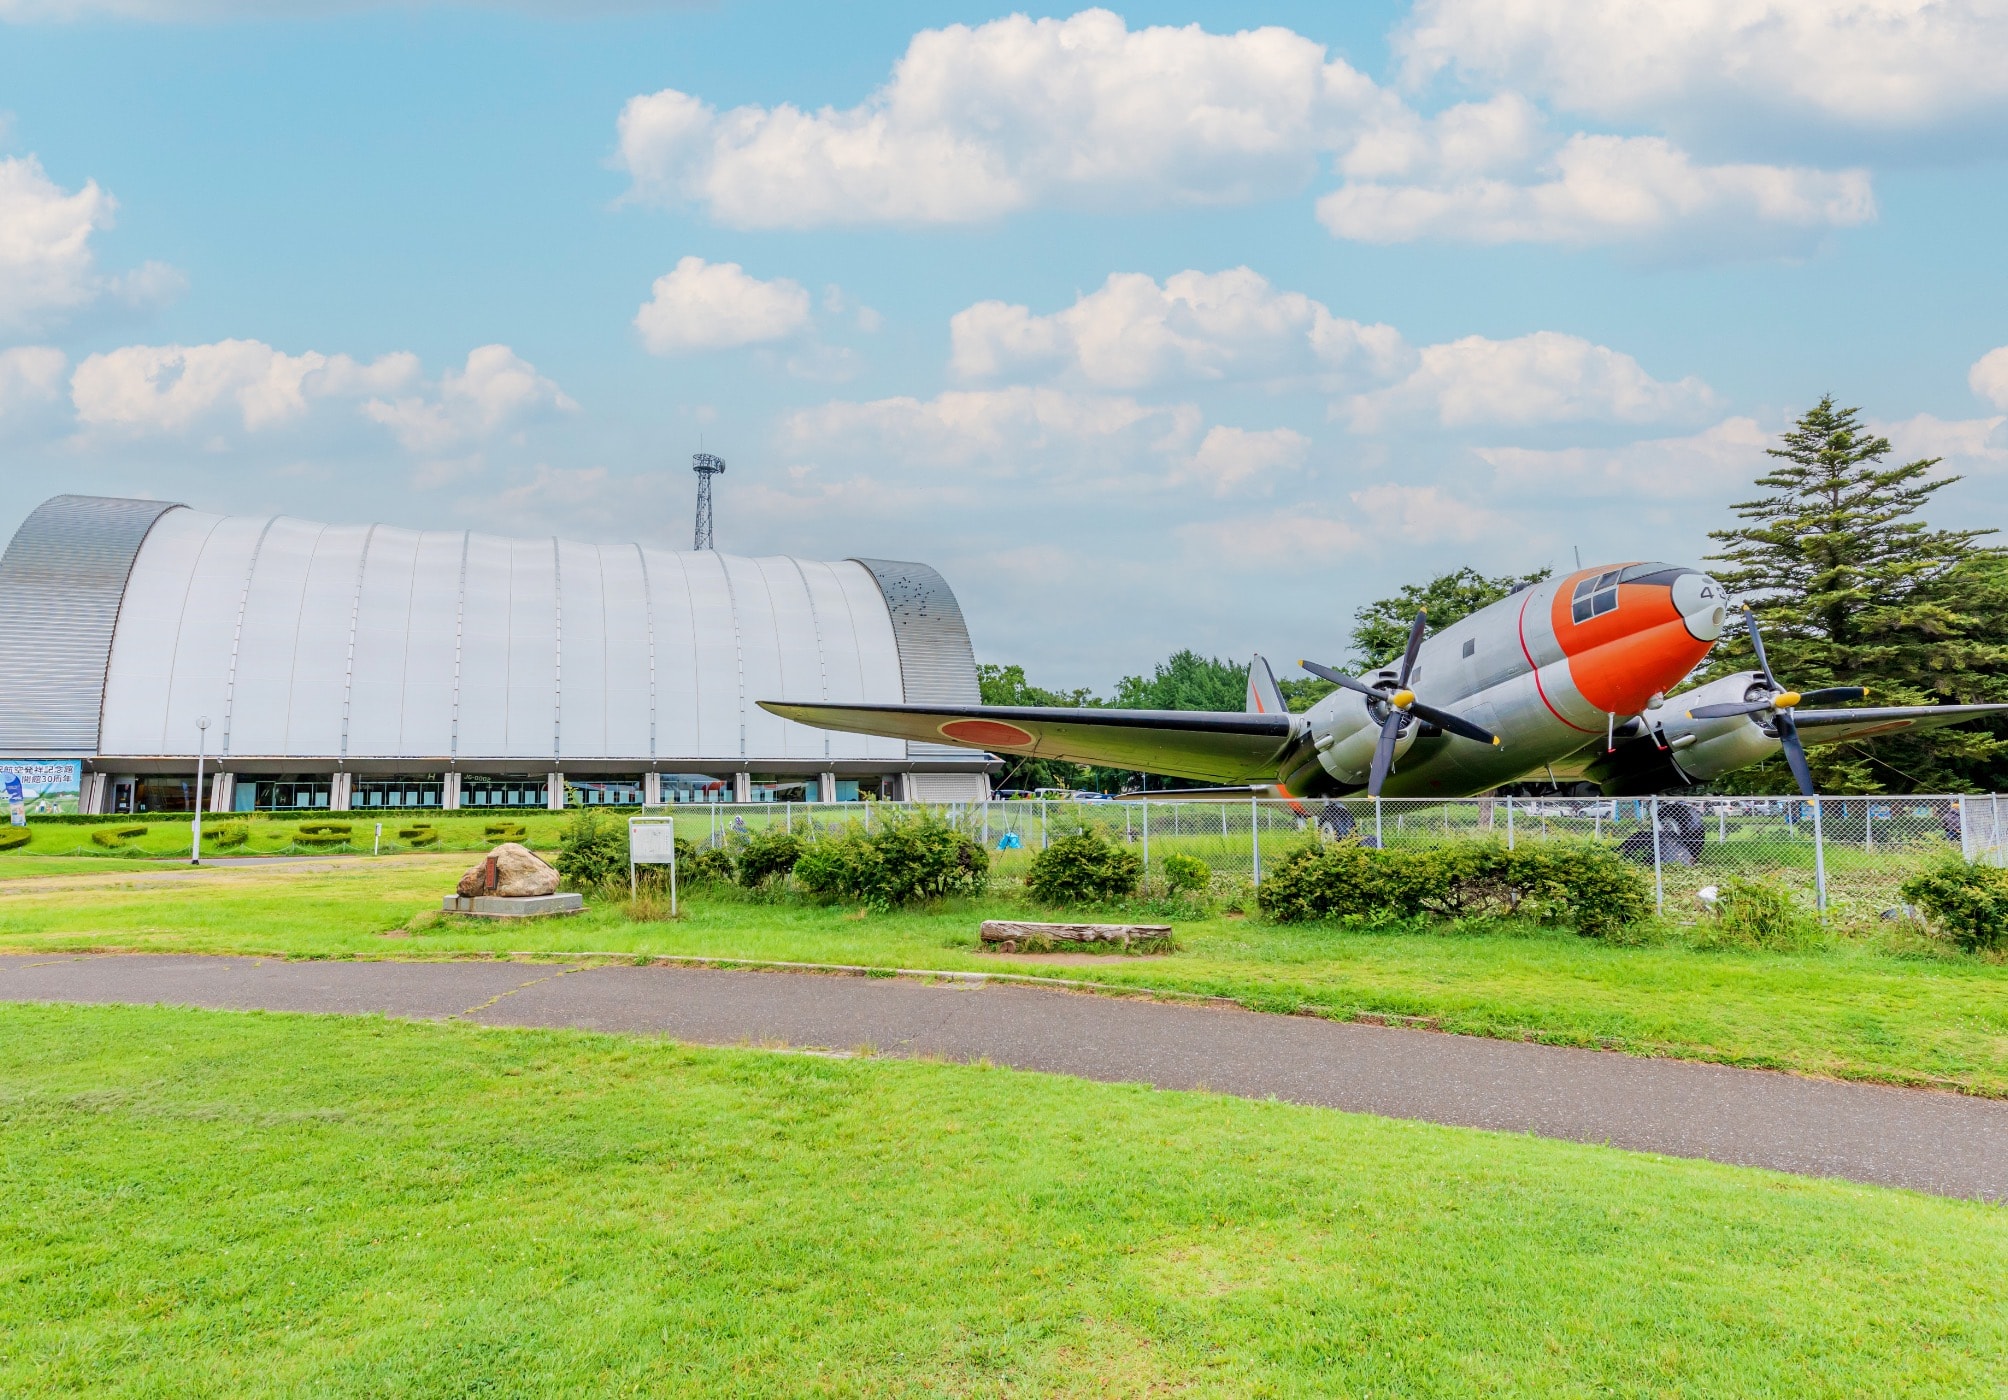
[[1851, 587]]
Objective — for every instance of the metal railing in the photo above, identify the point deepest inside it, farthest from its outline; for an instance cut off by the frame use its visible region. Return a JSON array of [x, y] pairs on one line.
[[1846, 853]]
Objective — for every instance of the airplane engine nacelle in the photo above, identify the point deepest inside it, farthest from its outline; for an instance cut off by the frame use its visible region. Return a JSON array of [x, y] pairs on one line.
[[1345, 731], [1707, 748]]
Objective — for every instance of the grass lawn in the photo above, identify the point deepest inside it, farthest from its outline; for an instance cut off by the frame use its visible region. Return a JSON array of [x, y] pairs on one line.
[[1843, 1009], [226, 1203]]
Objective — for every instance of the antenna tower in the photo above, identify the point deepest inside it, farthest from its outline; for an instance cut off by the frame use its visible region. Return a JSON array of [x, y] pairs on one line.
[[706, 466]]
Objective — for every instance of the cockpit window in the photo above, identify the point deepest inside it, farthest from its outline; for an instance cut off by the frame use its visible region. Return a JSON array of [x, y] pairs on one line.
[[1594, 597]]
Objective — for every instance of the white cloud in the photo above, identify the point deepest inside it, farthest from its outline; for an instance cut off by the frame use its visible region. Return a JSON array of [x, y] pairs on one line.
[[1422, 514], [1271, 542], [702, 305], [1132, 333], [1705, 465], [495, 392], [47, 268], [1962, 444], [1546, 377], [30, 375], [148, 389], [1015, 432], [1865, 65], [165, 390], [1989, 377], [978, 122], [1608, 189], [1228, 458]]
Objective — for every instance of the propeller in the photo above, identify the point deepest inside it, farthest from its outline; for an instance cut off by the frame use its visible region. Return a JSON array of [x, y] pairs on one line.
[[1779, 705], [1401, 706]]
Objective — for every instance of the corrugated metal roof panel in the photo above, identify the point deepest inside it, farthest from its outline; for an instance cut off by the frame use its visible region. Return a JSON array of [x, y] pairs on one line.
[[936, 662], [61, 582]]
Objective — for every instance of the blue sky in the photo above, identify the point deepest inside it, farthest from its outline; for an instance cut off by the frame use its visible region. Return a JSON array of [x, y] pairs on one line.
[[1155, 327]]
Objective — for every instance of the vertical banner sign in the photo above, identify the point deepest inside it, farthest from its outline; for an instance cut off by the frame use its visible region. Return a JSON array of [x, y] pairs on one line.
[[41, 787]]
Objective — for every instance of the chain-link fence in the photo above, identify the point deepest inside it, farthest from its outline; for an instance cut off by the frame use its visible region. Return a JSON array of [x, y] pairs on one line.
[[1848, 854]]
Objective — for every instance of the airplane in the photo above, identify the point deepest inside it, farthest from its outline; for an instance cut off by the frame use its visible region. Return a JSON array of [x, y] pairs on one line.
[[1571, 678]]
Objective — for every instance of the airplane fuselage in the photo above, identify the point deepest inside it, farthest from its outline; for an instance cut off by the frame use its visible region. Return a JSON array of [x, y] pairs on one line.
[[1546, 669]]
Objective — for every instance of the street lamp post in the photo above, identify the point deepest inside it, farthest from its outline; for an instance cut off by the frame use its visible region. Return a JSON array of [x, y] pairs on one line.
[[201, 752]]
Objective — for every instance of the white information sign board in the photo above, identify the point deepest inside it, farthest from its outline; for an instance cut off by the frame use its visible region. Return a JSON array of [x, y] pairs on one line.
[[652, 841]]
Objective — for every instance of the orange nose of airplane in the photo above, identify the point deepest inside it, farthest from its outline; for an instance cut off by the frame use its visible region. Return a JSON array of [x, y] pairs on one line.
[[1634, 631]]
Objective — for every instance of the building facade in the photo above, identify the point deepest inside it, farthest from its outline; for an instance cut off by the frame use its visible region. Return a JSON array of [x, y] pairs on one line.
[[346, 667]]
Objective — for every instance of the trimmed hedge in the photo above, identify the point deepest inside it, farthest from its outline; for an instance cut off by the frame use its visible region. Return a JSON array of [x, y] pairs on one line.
[[12, 837], [117, 835], [1584, 884], [505, 831], [324, 833], [421, 834], [227, 835]]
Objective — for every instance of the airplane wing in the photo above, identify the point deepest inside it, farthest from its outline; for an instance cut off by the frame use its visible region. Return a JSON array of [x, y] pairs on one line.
[[1844, 726], [1206, 745]]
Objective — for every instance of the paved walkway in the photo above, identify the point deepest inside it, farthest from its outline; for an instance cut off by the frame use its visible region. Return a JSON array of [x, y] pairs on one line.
[[1941, 1143]]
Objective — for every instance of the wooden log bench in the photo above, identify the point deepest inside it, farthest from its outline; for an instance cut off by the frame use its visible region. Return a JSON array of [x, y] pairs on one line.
[[1014, 936]]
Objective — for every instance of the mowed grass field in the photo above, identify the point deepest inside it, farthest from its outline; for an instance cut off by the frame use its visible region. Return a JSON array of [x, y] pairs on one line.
[[214, 1203], [1841, 1009]]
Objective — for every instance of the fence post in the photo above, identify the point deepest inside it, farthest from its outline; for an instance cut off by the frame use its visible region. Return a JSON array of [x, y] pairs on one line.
[[1378, 843], [1509, 823], [1042, 824], [1658, 876], [788, 817], [1146, 842], [1255, 836], [1819, 859], [986, 823]]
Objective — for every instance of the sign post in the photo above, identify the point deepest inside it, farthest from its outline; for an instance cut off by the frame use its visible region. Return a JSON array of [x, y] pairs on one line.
[[652, 841], [201, 754]]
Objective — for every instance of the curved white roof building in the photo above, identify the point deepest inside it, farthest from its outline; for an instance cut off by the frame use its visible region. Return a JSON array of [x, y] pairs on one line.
[[368, 654]]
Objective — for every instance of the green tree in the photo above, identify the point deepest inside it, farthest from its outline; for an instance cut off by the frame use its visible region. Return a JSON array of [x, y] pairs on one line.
[[1006, 685], [1852, 587], [1186, 681]]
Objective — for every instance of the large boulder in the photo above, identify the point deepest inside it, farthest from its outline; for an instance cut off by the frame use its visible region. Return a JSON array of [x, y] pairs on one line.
[[517, 872]]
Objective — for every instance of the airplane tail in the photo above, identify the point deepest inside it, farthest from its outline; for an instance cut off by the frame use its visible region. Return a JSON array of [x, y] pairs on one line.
[[1264, 696]]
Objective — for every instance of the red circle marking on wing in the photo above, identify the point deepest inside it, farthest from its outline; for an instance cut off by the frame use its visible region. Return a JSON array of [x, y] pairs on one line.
[[990, 732]]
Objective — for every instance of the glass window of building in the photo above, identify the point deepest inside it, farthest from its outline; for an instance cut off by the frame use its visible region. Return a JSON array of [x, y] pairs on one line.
[[397, 792], [604, 792], [771, 788], [282, 794], [527, 790], [162, 795], [695, 787]]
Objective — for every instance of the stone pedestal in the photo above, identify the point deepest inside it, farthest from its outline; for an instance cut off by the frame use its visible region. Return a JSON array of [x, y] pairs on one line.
[[495, 906]]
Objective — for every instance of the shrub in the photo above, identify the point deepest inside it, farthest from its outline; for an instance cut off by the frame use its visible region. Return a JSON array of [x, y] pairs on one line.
[[109, 836], [1760, 913], [420, 834], [713, 865], [323, 833], [227, 835], [1581, 883], [903, 860], [1085, 868], [12, 837], [505, 831], [1965, 902], [592, 851], [769, 854], [1187, 874]]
